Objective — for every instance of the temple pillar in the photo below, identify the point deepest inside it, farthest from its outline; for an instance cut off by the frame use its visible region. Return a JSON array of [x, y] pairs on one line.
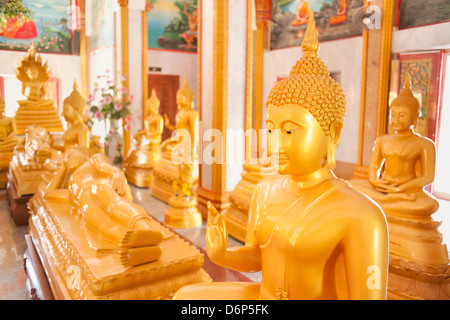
[[225, 51], [377, 45]]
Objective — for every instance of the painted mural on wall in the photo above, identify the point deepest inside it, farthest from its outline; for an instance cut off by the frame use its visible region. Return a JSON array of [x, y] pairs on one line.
[[48, 28], [172, 25], [334, 20], [415, 13], [102, 24]]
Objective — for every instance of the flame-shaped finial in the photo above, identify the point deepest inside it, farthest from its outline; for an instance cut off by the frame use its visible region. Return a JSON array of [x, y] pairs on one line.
[[310, 44]]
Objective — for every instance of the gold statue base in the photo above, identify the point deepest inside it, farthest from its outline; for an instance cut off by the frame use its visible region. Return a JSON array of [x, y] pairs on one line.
[[76, 272], [182, 213], [164, 173], [418, 260], [39, 113], [140, 177], [26, 176], [5, 159]]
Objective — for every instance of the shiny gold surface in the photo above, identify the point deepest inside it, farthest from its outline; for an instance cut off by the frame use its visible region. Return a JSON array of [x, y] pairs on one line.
[[305, 225], [145, 150], [8, 141]]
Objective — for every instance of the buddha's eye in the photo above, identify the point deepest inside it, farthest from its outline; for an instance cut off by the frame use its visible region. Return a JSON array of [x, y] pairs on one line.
[[269, 131]]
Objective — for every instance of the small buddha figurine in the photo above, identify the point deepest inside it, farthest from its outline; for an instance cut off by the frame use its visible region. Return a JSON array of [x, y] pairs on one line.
[[311, 234], [180, 148], [77, 133], [35, 110], [402, 164], [98, 192], [145, 150]]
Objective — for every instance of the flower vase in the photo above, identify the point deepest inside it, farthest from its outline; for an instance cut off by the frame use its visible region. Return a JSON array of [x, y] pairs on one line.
[[114, 143]]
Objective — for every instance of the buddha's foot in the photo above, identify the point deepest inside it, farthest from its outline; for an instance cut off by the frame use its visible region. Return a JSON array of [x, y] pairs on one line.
[[140, 238], [136, 256]]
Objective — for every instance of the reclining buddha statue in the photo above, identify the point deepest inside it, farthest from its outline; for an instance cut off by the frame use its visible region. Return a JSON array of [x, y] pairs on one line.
[[145, 150], [402, 165], [310, 234], [183, 144]]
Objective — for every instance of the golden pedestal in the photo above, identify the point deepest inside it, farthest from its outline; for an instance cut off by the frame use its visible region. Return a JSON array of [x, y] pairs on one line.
[[164, 174], [418, 260], [39, 113], [139, 166], [5, 159], [182, 213], [26, 175], [75, 272]]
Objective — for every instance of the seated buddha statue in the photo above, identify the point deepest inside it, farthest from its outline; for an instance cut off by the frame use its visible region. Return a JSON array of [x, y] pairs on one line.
[[145, 150], [181, 147], [8, 141], [35, 110], [311, 235], [402, 165], [99, 193]]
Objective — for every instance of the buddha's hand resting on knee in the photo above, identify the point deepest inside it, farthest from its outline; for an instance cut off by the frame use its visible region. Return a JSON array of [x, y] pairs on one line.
[[216, 234]]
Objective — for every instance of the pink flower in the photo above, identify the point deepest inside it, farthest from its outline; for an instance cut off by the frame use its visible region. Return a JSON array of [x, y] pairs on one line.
[[111, 131], [127, 127], [124, 90], [107, 71], [62, 46], [123, 78], [131, 97], [128, 118], [118, 106], [103, 90], [89, 98], [98, 115], [107, 99]]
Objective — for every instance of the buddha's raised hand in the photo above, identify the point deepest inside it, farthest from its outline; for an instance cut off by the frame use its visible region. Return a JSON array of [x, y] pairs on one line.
[[216, 234]]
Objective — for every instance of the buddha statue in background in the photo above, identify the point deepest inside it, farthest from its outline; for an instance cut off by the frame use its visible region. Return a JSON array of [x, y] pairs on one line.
[[145, 150], [27, 166], [311, 234], [178, 166], [8, 141], [36, 110], [402, 165]]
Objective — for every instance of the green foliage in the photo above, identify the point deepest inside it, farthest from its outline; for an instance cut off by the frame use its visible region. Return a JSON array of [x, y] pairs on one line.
[[12, 9]]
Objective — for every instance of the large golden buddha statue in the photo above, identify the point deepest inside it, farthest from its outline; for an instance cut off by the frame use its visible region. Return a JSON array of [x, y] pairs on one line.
[[8, 141], [145, 150], [119, 251], [181, 147], [36, 110], [402, 165], [311, 234]]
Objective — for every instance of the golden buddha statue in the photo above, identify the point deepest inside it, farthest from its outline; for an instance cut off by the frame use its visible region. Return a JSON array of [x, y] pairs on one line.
[[402, 165], [117, 249], [311, 234], [181, 147], [236, 215], [36, 110], [8, 141], [27, 166], [145, 150]]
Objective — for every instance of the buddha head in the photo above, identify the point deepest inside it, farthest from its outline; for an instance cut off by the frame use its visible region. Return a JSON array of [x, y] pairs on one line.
[[74, 105], [185, 96], [152, 104], [404, 109], [305, 113]]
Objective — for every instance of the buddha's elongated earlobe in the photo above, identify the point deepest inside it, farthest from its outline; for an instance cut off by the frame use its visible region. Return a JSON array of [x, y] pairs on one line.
[[335, 133]]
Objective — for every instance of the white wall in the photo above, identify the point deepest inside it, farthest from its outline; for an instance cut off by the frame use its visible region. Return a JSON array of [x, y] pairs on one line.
[[341, 56], [176, 63], [64, 67], [432, 37]]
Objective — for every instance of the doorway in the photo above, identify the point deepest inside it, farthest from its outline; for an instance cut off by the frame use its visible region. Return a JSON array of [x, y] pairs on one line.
[[166, 88]]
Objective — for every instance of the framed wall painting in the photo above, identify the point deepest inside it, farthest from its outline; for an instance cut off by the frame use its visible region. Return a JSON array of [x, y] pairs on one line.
[[49, 28], [416, 13], [172, 25], [334, 20]]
